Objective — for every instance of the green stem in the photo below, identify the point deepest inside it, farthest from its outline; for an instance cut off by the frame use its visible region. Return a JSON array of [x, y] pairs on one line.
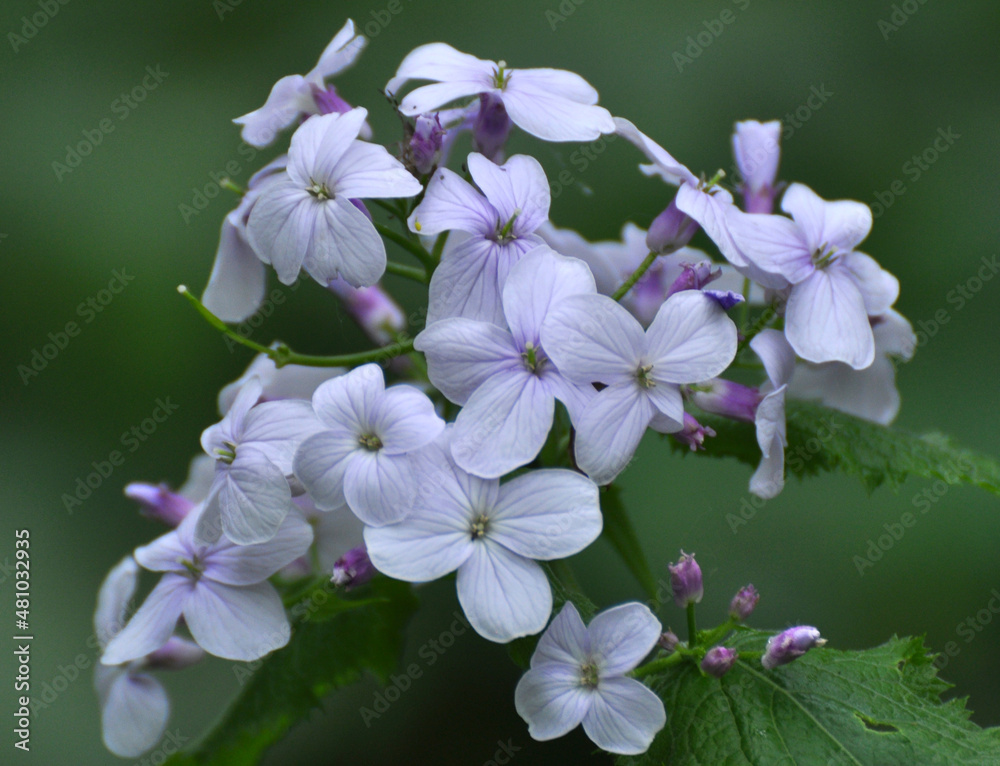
[[634, 277], [415, 248], [692, 627], [439, 244], [745, 306], [410, 272], [564, 572], [282, 354], [659, 665]]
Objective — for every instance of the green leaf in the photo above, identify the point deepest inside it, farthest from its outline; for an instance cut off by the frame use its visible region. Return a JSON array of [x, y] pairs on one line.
[[334, 640], [618, 531], [823, 439], [879, 707]]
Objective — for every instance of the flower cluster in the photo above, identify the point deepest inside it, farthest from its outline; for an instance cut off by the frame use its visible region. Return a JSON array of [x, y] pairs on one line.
[[545, 359]]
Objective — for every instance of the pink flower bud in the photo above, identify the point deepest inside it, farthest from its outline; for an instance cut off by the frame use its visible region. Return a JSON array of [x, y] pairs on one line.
[[670, 230], [685, 580], [718, 660], [723, 397], [352, 569], [743, 603], [790, 645], [693, 434]]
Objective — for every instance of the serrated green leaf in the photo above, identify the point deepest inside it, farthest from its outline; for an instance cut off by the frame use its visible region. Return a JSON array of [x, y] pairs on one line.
[[618, 531], [823, 439], [878, 707], [331, 646]]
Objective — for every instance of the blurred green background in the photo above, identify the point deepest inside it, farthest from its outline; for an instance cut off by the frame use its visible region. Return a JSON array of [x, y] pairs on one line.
[[120, 209]]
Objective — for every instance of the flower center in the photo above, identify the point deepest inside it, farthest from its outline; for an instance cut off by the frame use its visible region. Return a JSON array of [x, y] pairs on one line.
[[505, 233], [479, 526], [589, 676], [320, 190], [227, 456], [370, 442], [193, 566], [533, 360], [501, 77], [642, 376], [824, 256]]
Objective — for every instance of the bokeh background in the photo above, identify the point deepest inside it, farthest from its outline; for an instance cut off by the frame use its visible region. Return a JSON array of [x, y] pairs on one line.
[[890, 90]]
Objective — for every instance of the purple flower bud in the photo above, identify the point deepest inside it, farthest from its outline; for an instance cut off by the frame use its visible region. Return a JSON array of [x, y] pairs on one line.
[[373, 309], [685, 580], [718, 660], [725, 298], [693, 433], [328, 102], [743, 603], [723, 397], [790, 645], [694, 277], [668, 641], [159, 502], [352, 569], [491, 127], [424, 148], [670, 230]]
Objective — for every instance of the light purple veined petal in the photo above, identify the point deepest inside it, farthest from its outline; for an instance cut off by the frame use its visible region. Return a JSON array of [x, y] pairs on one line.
[[134, 714], [368, 170], [113, 599], [277, 428], [463, 353], [289, 97], [320, 464], [826, 321], [164, 553], [339, 54], [428, 544], [379, 487], [318, 145], [451, 203], [712, 211], [669, 404], [441, 486], [293, 381], [664, 165], [770, 421], [152, 624], [253, 499], [238, 281], [536, 283], [757, 152], [769, 478], [878, 287], [441, 62], [203, 525], [237, 623], [405, 420], [503, 425], [467, 283], [691, 339], [551, 700], [504, 596], [611, 429], [280, 227], [546, 514], [565, 642], [808, 210], [575, 396], [776, 354], [350, 401], [344, 244], [428, 98], [518, 187], [230, 428], [601, 257], [624, 716], [250, 564], [592, 338], [622, 636], [548, 115], [840, 224], [773, 243]]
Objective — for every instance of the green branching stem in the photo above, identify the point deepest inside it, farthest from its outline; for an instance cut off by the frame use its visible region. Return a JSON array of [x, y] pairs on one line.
[[409, 272], [692, 626], [634, 277], [410, 245]]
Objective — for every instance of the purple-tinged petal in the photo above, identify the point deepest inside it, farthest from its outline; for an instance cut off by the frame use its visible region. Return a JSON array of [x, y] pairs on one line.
[[340, 53], [441, 62], [280, 227], [344, 244], [504, 596], [622, 636], [840, 224], [379, 487], [318, 145], [551, 700], [424, 546], [777, 356], [757, 153], [368, 171], [230, 428], [774, 243], [237, 623], [546, 514], [664, 166], [320, 464], [769, 478], [113, 599], [134, 714], [669, 404], [690, 339], [159, 502], [405, 420], [289, 97], [450, 203], [152, 625], [164, 553], [276, 429], [177, 654], [462, 354], [610, 431], [251, 564], [878, 287], [238, 281], [253, 499], [349, 402], [555, 105], [469, 279], [518, 187], [826, 321], [624, 716], [565, 642]]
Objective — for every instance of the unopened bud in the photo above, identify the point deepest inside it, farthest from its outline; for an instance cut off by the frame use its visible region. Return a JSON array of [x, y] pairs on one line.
[[685, 581], [352, 569], [743, 603], [718, 660], [694, 277], [668, 641], [723, 397], [670, 230], [693, 433], [159, 502], [491, 126], [424, 148], [790, 645]]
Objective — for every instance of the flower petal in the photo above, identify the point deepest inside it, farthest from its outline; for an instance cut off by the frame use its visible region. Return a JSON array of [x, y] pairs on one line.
[[468, 281], [624, 716], [113, 599], [152, 624], [405, 420], [379, 487], [426, 545], [610, 431], [164, 553], [237, 623], [253, 498], [664, 165], [350, 401], [878, 287], [344, 244], [134, 715], [276, 429], [289, 97], [368, 170], [551, 700], [236, 287], [546, 114], [516, 188], [774, 243], [826, 321], [339, 54], [691, 339], [320, 464], [280, 227], [841, 224], [451, 203], [565, 642], [250, 564], [777, 356], [622, 636], [318, 145]]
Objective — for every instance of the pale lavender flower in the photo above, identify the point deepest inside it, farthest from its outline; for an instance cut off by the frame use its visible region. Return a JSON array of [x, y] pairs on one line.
[[501, 221], [134, 706], [591, 338], [757, 153], [296, 96], [362, 454], [743, 603], [578, 675], [253, 446], [292, 381], [779, 363], [502, 377], [789, 645], [686, 581], [834, 287], [552, 104], [869, 393], [718, 661], [493, 534], [220, 590], [306, 218]]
